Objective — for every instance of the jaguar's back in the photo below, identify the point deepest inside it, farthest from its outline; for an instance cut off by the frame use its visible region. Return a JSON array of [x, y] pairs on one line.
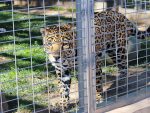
[[111, 27]]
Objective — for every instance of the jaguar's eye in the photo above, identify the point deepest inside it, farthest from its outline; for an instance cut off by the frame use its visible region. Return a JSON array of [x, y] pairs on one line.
[[49, 44]]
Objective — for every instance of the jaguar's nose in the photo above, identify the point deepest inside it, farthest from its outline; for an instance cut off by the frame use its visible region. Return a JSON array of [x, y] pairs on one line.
[[57, 58]]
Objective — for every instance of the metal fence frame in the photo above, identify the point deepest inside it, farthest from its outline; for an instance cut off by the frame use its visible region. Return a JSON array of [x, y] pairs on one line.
[[85, 26], [86, 15], [86, 63]]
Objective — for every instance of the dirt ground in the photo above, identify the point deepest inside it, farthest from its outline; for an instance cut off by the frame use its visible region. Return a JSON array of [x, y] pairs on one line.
[[142, 106], [141, 17]]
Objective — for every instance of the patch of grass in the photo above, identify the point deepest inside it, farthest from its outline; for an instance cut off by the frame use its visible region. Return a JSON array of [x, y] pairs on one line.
[[109, 69], [2, 5], [23, 110], [57, 8], [25, 68], [71, 10]]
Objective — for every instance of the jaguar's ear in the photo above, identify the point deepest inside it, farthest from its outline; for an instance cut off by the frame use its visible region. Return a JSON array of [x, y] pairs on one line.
[[42, 30]]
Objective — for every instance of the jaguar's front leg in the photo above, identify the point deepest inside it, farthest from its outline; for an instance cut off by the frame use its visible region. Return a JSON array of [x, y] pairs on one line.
[[65, 81], [63, 74]]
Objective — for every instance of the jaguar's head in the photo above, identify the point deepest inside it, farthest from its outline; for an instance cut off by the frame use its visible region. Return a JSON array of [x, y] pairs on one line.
[[51, 40], [54, 37]]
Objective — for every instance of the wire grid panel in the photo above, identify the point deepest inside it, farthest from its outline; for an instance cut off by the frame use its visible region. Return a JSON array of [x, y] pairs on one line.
[[124, 50], [52, 54], [38, 57]]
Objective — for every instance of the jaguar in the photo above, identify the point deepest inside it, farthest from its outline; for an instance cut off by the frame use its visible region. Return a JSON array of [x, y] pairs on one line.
[[112, 30]]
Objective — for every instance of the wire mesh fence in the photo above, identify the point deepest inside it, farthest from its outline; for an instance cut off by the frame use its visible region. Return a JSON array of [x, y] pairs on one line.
[[120, 84], [73, 56]]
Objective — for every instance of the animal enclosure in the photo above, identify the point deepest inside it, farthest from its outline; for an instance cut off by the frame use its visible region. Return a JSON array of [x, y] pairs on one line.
[[89, 57]]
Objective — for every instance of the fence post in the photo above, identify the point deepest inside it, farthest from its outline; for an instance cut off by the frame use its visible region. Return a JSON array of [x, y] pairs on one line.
[[91, 85], [81, 77], [85, 36]]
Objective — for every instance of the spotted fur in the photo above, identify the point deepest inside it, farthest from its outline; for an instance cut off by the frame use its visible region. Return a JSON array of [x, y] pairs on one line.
[[112, 30]]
